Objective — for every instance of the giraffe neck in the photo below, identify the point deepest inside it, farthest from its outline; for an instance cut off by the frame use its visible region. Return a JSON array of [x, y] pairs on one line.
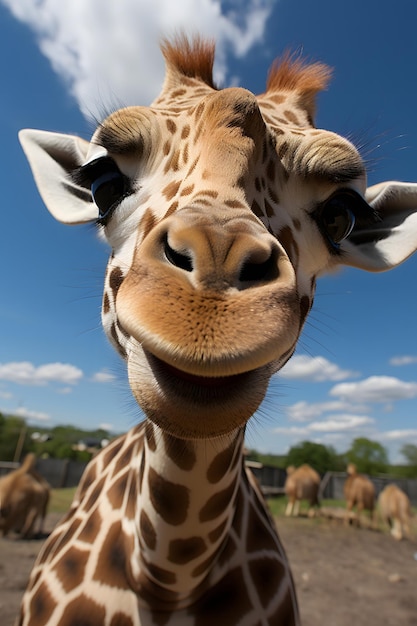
[[188, 493]]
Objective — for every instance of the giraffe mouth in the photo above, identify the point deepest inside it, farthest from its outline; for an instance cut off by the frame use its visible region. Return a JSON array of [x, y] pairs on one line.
[[204, 382]]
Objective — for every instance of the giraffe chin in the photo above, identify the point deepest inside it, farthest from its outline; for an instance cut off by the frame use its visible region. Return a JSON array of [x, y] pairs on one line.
[[200, 406]]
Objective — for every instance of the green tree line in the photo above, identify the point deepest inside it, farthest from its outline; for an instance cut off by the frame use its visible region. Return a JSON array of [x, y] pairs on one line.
[[17, 438], [370, 457]]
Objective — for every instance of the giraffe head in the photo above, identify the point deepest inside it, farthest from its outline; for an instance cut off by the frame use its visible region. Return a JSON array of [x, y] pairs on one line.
[[221, 209]]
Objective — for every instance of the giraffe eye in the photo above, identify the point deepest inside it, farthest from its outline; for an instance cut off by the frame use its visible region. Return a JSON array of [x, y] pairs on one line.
[[336, 217], [108, 186]]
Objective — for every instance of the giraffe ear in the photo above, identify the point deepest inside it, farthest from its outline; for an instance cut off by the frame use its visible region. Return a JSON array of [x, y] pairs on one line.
[[53, 157], [389, 241]]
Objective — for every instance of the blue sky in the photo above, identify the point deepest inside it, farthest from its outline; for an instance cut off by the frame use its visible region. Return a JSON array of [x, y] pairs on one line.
[[355, 370]]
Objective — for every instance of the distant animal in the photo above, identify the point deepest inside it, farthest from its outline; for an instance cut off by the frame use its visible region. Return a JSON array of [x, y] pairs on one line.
[[359, 491], [24, 497], [395, 510], [302, 484]]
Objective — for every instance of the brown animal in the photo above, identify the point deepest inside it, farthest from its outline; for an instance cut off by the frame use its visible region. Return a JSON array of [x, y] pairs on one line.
[[302, 484], [395, 509], [24, 497], [359, 491]]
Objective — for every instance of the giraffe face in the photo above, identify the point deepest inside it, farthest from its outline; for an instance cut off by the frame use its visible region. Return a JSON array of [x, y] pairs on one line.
[[221, 209], [211, 277]]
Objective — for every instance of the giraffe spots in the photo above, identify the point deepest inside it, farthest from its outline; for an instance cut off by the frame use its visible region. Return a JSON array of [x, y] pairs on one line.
[[171, 190], [224, 602], [267, 575], [131, 501], [161, 575], [180, 451], [234, 204], [291, 117], [256, 209], [171, 126], [283, 149], [115, 280], [70, 568], [187, 190], [166, 148], [273, 195], [122, 461], [106, 303], [183, 551], [111, 562], [83, 611], [141, 470], [169, 499], [94, 495], [116, 493], [215, 534], [120, 619], [269, 209], [271, 171], [185, 132], [286, 239], [204, 566], [147, 530], [42, 606], [91, 527], [220, 464], [147, 223], [113, 334], [259, 536], [171, 209], [277, 98], [217, 504]]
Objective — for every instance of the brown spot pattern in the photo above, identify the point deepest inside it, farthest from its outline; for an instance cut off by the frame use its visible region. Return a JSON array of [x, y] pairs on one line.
[[217, 504], [170, 500], [42, 606], [224, 603], [83, 611], [70, 568], [147, 530], [183, 551], [111, 563], [220, 464], [180, 451]]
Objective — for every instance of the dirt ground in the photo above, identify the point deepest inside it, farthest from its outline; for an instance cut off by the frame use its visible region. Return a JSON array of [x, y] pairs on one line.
[[344, 576]]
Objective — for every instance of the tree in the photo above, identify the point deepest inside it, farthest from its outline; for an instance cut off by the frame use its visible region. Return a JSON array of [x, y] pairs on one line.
[[322, 458], [409, 452], [370, 457]]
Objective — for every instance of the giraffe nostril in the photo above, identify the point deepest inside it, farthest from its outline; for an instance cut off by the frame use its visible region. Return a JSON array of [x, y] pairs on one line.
[[179, 259], [254, 271]]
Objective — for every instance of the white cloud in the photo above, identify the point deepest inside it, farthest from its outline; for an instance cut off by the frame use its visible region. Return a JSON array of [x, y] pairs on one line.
[[314, 369], [25, 373], [375, 389], [341, 423], [398, 435], [107, 52], [103, 377], [403, 360], [37, 416], [306, 411]]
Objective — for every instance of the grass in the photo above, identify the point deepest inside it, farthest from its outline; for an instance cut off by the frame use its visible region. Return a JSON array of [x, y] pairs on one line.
[[61, 500]]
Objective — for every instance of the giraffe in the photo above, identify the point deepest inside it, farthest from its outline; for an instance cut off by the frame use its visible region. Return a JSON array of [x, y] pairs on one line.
[[221, 208]]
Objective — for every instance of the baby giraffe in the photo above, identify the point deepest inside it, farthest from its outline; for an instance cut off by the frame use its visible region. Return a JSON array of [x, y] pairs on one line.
[[221, 208]]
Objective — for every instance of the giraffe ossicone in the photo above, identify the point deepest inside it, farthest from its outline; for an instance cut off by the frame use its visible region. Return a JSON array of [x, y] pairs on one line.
[[221, 208]]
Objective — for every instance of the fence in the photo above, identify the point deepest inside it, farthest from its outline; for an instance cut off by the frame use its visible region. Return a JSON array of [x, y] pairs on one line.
[[65, 473]]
